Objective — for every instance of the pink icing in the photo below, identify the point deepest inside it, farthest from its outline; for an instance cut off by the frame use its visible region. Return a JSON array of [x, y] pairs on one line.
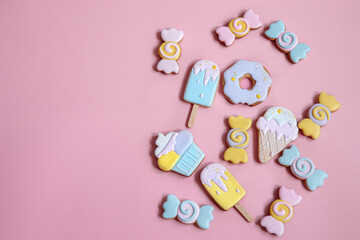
[[225, 35], [252, 18], [286, 130], [272, 225], [289, 196]]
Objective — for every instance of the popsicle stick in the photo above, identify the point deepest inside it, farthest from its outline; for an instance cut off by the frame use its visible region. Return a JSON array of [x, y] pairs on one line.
[[243, 212], [192, 117]]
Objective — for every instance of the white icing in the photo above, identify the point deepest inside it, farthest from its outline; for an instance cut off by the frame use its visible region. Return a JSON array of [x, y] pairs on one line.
[[168, 66], [201, 95], [281, 116], [165, 143], [172, 35], [217, 192], [237, 190], [210, 71], [188, 212], [168, 50], [214, 172]]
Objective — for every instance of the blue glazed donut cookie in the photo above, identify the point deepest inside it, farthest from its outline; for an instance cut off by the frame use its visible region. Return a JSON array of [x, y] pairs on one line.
[[256, 73]]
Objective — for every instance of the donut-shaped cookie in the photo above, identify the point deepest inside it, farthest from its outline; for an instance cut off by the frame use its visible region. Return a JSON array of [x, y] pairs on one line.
[[256, 73]]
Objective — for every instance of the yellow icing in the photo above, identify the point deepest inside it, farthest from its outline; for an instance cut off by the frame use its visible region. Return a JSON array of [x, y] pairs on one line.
[[289, 210], [233, 78], [235, 155], [240, 122], [239, 138], [168, 161], [226, 200], [239, 33], [258, 96], [322, 114], [329, 101], [309, 128], [214, 67], [279, 111], [173, 55]]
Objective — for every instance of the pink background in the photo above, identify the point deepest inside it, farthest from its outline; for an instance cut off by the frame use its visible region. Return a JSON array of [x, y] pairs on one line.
[[81, 105]]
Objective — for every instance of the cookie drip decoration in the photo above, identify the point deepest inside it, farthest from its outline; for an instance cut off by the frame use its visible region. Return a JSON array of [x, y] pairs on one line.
[[319, 115], [276, 129], [237, 139], [287, 41], [224, 188], [303, 168], [281, 211], [177, 151], [201, 87], [238, 27], [188, 212], [170, 51]]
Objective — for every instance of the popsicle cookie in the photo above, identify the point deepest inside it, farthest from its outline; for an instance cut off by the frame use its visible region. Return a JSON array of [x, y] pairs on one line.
[[177, 151], [276, 129], [281, 211], [224, 188], [188, 212], [201, 86], [237, 139], [319, 115], [303, 168]]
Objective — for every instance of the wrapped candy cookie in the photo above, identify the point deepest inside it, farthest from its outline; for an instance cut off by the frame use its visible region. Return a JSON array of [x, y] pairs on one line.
[[238, 27], [303, 168], [237, 139], [281, 211], [170, 51], [287, 41], [188, 212], [319, 115], [177, 151]]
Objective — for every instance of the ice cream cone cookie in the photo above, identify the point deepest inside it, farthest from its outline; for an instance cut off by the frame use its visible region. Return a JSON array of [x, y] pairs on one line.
[[276, 129], [237, 139], [281, 211], [188, 212], [238, 27], [319, 115], [224, 188], [201, 87], [177, 151], [253, 71], [287, 41], [170, 51], [303, 168]]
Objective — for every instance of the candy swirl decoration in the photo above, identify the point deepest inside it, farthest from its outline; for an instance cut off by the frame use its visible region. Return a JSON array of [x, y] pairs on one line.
[[319, 114], [287, 41], [238, 138], [281, 210], [188, 212], [170, 50], [239, 26], [302, 168]]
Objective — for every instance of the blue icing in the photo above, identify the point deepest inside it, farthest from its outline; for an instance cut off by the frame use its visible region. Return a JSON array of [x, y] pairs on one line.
[[189, 160], [183, 141], [299, 52], [170, 206], [275, 29], [289, 155], [316, 179], [260, 89], [196, 92], [205, 217]]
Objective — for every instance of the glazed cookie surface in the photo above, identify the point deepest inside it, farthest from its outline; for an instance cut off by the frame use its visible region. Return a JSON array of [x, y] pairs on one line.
[[250, 70]]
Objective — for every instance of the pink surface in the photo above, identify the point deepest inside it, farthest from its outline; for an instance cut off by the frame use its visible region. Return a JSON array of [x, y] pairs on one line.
[[81, 105]]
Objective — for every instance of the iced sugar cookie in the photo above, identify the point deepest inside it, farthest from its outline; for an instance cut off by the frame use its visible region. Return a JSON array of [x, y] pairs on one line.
[[254, 71], [224, 188], [287, 41], [201, 86], [170, 51], [237, 139], [319, 115], [188, 212], [277, 128], [238, 27], [303, 168], [281, 211], [177, 151]]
